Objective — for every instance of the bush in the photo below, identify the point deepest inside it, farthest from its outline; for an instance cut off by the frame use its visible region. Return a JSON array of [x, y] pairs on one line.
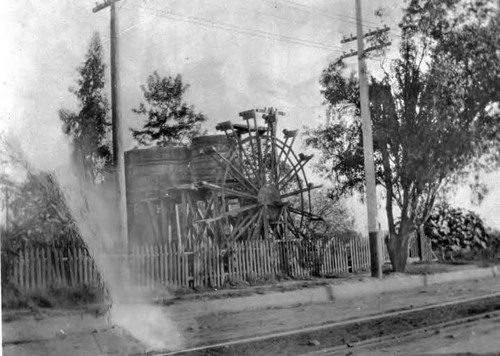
[[455, 231]]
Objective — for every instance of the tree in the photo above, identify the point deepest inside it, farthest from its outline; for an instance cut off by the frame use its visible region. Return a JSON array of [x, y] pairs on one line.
[[430, 114], [90, 127], [336, 221], [453, 230], [169, 120]]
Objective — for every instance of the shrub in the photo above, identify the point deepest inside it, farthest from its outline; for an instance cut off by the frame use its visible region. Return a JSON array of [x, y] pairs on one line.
[[454, 230]]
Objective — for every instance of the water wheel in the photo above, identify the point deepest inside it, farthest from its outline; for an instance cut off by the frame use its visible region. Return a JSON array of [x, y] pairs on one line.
[[262, 191]]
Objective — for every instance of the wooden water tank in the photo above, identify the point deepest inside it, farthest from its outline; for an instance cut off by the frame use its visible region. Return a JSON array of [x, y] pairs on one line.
[[151, 171], [204, 164]]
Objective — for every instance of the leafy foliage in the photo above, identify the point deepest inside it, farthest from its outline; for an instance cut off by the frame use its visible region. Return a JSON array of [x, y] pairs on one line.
[[337, 221], [429, 113], [169, 120], [90, 127], [453, 229], [40, 216]]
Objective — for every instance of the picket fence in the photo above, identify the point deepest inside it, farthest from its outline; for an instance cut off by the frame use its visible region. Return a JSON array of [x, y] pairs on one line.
[[204, 265]]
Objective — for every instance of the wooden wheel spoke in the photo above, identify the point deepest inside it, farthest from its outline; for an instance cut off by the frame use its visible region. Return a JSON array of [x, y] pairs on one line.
[[245, 227], [304, 213], [238, 175], [291, 174], [256, 231], [247, 164], [233, 212], [228, 190], [291, 223], [242, 221], [295, 192]]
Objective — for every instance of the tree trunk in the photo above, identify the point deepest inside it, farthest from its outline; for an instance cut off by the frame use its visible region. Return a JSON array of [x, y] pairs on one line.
[[397, 246], [421, 247]]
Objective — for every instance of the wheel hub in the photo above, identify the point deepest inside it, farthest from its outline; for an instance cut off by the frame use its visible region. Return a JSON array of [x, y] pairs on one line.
[[269, 195]]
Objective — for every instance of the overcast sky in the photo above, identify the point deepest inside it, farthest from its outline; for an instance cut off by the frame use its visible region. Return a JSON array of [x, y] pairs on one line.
[[235, 55], [228, 51]]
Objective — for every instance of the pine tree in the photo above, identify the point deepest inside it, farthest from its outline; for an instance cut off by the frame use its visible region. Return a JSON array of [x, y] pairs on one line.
[[169, 120], [90, 127]]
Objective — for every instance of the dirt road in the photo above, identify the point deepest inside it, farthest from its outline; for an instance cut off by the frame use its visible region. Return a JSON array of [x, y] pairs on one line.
[[474, 339], [84, 335]]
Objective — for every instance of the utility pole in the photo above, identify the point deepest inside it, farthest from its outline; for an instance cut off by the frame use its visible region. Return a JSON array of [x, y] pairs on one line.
[[371, 192], [116, 117], [7, 218]]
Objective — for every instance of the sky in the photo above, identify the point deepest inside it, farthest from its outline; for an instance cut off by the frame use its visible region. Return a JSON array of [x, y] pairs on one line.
[[235, 55]]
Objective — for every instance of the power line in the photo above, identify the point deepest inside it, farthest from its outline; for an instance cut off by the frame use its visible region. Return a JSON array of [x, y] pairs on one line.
[[309, 9], [233, 28]]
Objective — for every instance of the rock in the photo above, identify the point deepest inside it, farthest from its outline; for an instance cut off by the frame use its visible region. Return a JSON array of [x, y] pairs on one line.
[[313, 342]]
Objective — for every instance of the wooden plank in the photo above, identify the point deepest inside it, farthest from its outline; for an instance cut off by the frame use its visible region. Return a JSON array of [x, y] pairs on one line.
[[295, 248], [139, 265], [27, 278], [62, 268], [79, 266], [74, 266], [143, 266], [324, 250], [173, 256], [22, 268], [38, 268], [186, 267], [331, 255], [354, 256], [367, 254], [49, 271], [241, 269], [15, 277], [258, 258], [152, 275], [176, 265], [245, 261], [275, 256], [150, 265], [263, 245], [212, 265], [85, 258], [195, 265], [170, 278], [338, 257], [161, 264], [237, 260], [220, 266], [270, 246], [253, 264], [263, 254], [157, 265], [215, 271], [342, 256], [32, 269], [230, 262], [179, 227]]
